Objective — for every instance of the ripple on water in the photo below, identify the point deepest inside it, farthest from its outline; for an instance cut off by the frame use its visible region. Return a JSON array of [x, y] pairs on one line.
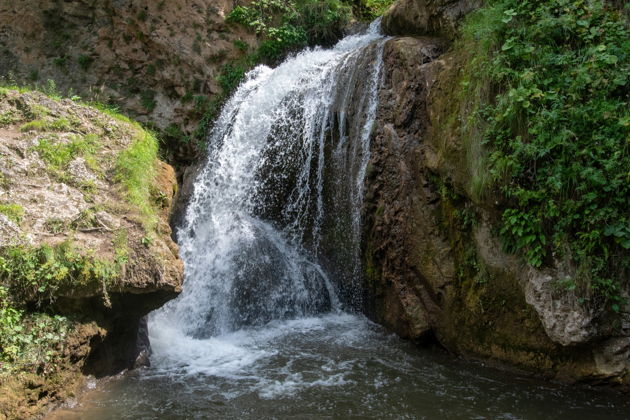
[[333, 366]]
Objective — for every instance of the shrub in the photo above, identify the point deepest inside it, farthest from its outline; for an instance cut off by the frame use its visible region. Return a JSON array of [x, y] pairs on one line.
[[29, 341], [147, 99], [60, 61], [85, 61], [13, 211], [557, 133], [290, 25]]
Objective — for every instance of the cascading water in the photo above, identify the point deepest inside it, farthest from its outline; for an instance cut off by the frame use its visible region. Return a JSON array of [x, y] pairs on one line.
[[253, 229], [271, 239]]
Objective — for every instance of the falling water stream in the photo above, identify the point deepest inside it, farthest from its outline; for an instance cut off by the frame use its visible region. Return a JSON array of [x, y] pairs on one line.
[[266, 325]]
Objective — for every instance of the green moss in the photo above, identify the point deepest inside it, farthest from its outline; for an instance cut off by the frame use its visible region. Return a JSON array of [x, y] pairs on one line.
[[13, 211], [58, 153], [465, 105], [38, 275], [486, 313], [59, 124], [136, 171]]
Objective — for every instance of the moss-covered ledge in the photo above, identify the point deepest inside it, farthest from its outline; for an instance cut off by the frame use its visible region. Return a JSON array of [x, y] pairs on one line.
[[85, 245]]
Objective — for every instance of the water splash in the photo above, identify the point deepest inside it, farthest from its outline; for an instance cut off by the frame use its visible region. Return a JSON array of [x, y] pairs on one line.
[[252, 235]]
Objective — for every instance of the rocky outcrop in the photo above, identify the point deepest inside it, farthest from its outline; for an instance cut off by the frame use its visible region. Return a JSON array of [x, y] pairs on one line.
[[83, 194], [157, 60], [434, 266], [427, 17]]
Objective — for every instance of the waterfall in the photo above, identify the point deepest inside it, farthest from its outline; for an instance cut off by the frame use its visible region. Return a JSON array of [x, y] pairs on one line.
[[284, 175]]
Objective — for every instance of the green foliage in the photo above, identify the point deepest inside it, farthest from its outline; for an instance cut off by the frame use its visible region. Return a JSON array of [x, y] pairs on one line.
[[85, 61], [174, 131], [51, 89], [55, 225], [281, 40], [35, 275], [241, 45], [8, 118], [60, 61], [147, 99], [288, 25], [151, 69], [13, 211], [231, 75], [29, 341], [557, 132], [376, 8], [136, 171]]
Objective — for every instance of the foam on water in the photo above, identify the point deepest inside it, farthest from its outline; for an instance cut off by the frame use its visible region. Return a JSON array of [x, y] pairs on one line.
[[248, 358]]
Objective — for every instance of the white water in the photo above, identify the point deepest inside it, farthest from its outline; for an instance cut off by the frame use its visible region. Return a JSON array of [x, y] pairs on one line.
[[253, 229]]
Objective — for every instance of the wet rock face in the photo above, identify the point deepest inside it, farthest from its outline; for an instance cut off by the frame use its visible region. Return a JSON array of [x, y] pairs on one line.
[[427, 17], [433, 264], [398, 197]]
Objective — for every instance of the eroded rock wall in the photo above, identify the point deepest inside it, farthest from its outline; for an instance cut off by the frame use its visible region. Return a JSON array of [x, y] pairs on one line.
[[433, 263]]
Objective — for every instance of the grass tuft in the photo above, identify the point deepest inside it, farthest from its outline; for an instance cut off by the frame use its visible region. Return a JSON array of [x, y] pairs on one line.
[[136, 171], [13, 211]]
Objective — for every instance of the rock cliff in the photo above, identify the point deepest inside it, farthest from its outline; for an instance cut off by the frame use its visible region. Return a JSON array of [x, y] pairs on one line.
[[157, 60], [434, 265]]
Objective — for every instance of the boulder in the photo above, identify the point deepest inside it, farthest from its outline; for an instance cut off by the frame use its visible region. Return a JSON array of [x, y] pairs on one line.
[[427, 17]]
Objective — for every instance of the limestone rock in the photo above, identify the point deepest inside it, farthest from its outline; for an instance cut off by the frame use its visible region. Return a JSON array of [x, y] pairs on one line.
[[79, 172], [612, 359], [58, 168], [565, 320]]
